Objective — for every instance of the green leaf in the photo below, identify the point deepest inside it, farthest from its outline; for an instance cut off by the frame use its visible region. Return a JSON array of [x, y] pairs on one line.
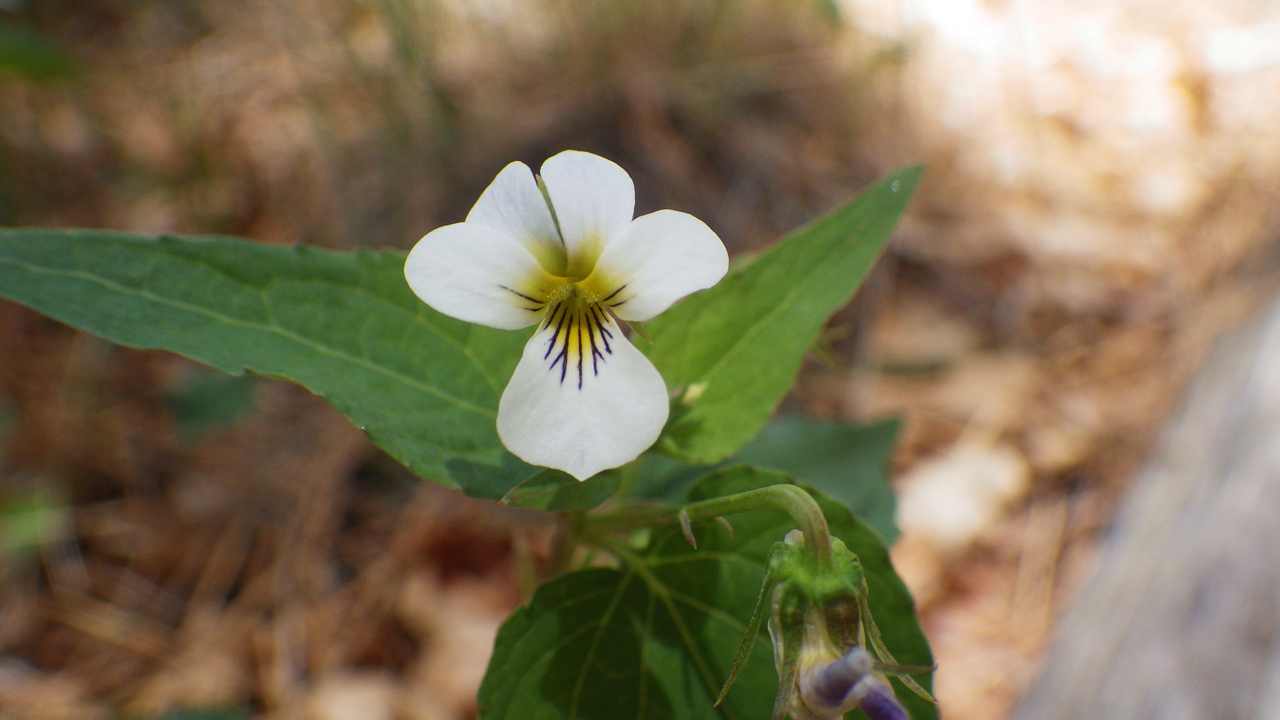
[[491, 482], [742, 341], [655, 638], [662, 477], [846, 461], [424, 386]]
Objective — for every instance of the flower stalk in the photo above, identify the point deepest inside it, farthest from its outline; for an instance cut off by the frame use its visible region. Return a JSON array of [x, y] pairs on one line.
[[792, 500]]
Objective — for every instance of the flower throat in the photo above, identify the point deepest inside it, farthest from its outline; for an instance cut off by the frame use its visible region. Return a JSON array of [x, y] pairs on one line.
[[583, 331]]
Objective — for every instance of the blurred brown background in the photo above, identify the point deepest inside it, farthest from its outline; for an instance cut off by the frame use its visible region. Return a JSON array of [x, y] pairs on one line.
[[1100, 204]]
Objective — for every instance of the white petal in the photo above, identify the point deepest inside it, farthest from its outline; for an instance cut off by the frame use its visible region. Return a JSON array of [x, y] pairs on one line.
[[593, 198], [661, 258], [478, 274], [514, 204], [582, 412]]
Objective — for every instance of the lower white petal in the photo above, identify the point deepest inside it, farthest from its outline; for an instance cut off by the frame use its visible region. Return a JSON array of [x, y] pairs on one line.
[[658, 259], [583, 399]]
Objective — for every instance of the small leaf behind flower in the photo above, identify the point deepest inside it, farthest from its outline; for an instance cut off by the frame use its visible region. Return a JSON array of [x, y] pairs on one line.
[[847, 461], [656, 637], [209, 400], [555, 490]]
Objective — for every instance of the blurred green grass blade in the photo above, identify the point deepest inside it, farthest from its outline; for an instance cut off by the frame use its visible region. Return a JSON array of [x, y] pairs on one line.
[[345, 325], [208, 401], [25, 51], [656, 638], [31, 520], [745, 338]]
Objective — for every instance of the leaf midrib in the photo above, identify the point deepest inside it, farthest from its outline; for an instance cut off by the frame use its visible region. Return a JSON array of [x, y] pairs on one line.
[[270, 328]]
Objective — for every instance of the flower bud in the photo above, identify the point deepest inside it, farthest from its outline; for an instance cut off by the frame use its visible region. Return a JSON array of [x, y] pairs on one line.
[[817, 621], [833, 688], [828, 684]]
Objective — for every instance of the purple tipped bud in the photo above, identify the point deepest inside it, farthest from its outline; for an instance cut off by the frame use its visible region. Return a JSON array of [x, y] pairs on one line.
[[881, 704], [831, 689], [831, 685]]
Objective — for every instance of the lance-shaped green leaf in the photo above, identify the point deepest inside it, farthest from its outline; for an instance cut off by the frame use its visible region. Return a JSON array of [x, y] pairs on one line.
[[424, 387], [738, 345], [656, 637]]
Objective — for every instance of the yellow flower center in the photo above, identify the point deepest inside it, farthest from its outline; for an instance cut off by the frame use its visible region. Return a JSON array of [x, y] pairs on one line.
[[580, 311], [580, 315]]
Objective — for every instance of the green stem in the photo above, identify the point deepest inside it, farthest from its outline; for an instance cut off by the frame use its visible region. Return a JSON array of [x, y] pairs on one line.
[[627, 477], [794, 501], [565, 544]]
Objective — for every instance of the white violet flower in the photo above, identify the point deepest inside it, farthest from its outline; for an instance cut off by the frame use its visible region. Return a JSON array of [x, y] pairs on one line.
[[566, 254]]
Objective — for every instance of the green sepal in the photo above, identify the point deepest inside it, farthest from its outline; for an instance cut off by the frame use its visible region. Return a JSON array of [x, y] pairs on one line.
[[787, 636], [889, 665], [753, 631]]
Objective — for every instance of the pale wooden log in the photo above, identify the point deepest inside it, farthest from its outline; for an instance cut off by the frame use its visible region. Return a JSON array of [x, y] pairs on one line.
[[1182, 619]]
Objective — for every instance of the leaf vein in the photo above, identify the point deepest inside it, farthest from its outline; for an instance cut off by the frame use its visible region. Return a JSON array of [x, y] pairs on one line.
[[595, 642]]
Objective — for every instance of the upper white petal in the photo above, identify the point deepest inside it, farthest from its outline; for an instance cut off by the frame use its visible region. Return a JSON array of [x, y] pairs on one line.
[[594, 199], [474, 273], [514, 204], [660, 258], [582, 418]]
